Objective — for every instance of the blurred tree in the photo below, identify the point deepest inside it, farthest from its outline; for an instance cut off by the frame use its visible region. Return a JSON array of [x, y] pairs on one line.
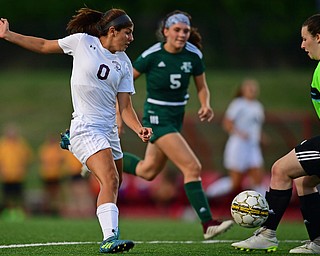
[[236, 34]]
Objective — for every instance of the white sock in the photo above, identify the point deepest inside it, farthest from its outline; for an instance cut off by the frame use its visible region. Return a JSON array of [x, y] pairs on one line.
[[108, 215]]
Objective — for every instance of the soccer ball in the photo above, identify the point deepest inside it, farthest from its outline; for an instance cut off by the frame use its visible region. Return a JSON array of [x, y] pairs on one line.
[[249, 209]]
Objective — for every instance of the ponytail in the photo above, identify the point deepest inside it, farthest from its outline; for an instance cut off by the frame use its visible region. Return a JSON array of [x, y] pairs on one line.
[[195, 38], [85, 21], [97, 23]]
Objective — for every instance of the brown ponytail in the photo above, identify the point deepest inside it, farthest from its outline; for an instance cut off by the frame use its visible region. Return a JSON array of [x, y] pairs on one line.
[[85, 21], [97, 23]]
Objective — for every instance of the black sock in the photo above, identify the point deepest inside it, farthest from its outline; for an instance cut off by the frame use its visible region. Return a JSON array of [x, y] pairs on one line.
[[278, 201], [310, 209]]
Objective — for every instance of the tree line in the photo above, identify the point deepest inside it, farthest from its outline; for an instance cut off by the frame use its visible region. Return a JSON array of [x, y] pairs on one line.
[[236, 33]]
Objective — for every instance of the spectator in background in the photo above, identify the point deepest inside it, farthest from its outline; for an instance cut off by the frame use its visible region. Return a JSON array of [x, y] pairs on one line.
[[168, 66], [243, 122], [15, 157], [51, 159]]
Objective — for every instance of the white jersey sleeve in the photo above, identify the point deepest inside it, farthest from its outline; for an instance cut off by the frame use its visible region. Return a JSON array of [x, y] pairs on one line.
[[126, 84], [69, 43]]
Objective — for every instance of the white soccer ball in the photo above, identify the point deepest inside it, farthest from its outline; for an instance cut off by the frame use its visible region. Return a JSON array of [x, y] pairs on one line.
[[249, 209]]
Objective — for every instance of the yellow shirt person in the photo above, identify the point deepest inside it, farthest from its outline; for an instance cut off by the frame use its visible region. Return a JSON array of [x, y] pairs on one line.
[[15, 156], [51, 160]]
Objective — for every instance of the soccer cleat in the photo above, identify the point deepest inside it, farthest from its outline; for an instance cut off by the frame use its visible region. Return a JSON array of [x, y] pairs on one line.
[[114, 245], [308, 247], [257, 242], [216, 227], [65, 140]]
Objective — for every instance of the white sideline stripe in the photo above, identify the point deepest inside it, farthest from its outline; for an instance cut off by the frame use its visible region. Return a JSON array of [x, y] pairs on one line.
[[137, 242], [43, 244]]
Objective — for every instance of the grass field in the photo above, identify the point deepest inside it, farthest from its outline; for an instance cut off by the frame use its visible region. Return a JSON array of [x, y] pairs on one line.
[[39, 100], [48, 236]]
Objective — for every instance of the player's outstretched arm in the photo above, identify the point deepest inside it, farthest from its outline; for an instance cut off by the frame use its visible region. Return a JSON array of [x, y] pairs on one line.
[[31, 43]]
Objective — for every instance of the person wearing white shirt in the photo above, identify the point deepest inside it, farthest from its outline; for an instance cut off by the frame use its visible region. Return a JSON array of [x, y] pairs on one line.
[[243, 121], [101, 77]]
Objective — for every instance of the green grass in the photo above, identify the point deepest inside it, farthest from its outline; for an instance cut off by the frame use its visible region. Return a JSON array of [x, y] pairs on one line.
[[39, 101], [152, 236]]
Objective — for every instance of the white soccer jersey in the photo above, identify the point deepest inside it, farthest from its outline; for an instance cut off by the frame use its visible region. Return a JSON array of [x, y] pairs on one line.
[[247, 116], [243, 153], [97, 77]]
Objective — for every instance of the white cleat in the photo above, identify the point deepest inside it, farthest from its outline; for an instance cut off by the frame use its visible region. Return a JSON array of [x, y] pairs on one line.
[[257, 242], [217, 228], [308, 247]]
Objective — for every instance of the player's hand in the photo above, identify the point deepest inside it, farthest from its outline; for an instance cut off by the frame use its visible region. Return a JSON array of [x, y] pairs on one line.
[[4, 27], [205, 114], [145, 134]]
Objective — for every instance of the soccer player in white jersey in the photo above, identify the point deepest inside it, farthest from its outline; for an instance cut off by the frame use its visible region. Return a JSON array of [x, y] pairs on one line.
[[168, 66], [101, 75], [243, 122]]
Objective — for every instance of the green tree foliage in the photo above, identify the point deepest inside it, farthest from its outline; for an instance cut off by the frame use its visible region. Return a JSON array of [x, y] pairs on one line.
[[236, 33]]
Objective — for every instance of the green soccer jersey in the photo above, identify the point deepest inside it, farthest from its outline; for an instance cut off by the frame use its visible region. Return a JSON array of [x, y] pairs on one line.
[[168, 74], [315, 90]]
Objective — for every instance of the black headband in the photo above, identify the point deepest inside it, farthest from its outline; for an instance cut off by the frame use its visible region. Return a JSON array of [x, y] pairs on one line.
[[117, 21]]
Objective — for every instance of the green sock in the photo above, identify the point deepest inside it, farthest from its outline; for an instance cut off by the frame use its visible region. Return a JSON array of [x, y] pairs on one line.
[[198, 200], [130, 162]]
